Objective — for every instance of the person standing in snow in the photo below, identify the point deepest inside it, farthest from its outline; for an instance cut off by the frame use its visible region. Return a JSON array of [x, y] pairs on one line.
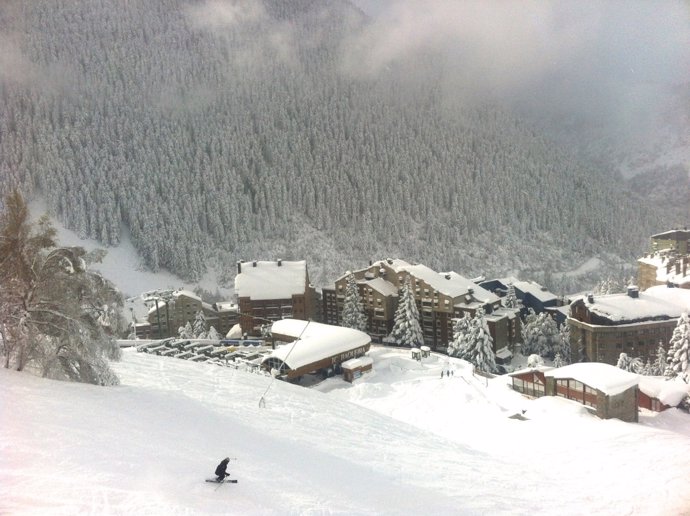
[[221, 469]]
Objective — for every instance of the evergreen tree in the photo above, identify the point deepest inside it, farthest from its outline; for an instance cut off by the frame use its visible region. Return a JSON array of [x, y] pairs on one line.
[[558, 361], [679, 350], [54, 309], [510, 300], [535, 360], [479, 349], [458, 346], [406, 328], [659, 365], [528, 332], [353, 315], [634, 365], [199, 326], [186, 331], [541, 335], [213, 334], [564, 343]]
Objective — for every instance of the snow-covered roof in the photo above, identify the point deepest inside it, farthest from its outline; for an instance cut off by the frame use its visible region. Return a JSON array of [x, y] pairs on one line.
[[451, 284], [541, 369], [394, 263], [268, 280], [655, 302], [535, 289], [664, 274], [380, 285], [674, 234], [604, 377], [226, 306], [668, 392], [317, 341], [354, 363], [186, 293]]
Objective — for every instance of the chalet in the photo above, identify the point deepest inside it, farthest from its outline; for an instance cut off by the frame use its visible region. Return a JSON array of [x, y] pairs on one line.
[[603, 327], [272, 290], [609, 391], [312, 347]]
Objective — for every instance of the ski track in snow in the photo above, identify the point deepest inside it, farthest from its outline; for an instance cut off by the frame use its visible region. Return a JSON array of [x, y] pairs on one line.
[[401, 440]]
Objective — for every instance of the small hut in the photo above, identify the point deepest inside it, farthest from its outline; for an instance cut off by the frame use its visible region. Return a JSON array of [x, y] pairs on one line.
[[355, 367]]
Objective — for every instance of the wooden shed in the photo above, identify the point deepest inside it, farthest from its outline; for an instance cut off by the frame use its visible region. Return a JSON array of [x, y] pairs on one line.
[[356, 367]]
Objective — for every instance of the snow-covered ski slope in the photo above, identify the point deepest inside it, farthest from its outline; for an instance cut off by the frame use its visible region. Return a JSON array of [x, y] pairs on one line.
[[401, 440]]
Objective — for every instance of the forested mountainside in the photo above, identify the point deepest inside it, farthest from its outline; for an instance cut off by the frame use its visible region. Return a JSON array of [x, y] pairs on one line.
[[218, 131]]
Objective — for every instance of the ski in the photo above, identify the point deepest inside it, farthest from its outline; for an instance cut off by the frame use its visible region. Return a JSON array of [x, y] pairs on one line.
[[226, 481]]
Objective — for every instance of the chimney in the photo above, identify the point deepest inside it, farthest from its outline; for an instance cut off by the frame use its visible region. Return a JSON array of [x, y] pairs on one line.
[[371, 263], [448, 276], [239, 266], [470, 291], [590, 298], [280, 262], [390, 261], [254, 263], [633, 291]]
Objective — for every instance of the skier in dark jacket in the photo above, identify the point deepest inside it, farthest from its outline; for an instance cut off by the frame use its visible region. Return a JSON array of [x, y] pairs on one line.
[[221, 469]]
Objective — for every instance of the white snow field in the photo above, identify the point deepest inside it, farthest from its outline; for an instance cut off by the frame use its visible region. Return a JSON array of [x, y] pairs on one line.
[[400, 440]]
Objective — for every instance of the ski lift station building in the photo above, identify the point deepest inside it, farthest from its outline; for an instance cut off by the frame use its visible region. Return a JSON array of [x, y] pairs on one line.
[[313, 347]]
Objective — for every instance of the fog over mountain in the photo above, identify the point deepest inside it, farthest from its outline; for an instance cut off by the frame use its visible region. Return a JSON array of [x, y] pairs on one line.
[[470, 136]]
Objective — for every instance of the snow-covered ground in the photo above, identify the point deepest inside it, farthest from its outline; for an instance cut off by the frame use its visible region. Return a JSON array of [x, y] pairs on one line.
[[123, 266], [401, 440]]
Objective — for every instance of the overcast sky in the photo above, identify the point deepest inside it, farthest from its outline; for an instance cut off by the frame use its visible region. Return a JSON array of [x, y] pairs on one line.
[[613, 59]]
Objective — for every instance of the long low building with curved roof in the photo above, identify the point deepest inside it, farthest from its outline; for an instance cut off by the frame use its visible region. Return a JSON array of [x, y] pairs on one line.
[[313, 347]]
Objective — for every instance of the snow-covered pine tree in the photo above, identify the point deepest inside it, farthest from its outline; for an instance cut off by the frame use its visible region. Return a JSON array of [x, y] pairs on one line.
[[406, 328], [541, 335], [534, 360], [659, 365], [648, 368], [679, 350], [461, 326], [510, 300], [634, 365], [186, 331], [199, 327], [353, 315], [623, 361], [558, 361], [480, 344], [527, 329], [213, 334], [564, 343]]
